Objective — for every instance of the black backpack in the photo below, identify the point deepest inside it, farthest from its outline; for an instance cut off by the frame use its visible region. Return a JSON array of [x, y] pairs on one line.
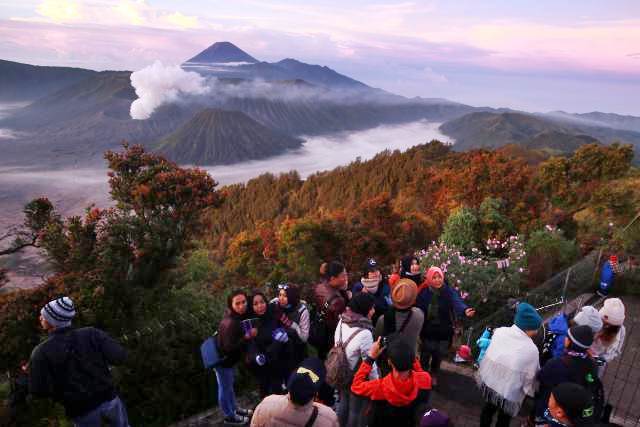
[[319, 333], [589, 379]]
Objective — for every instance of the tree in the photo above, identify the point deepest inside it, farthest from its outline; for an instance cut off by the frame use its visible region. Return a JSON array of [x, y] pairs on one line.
[[37, 214], [461, 229], [600, 162], [493, 221]]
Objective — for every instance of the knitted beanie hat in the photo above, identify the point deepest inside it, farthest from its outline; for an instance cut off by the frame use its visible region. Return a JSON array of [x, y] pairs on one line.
[[575, 400], [361, 303], [434, 418], [590, 317], [581, 336], [612, 311], [404, 294], [527, 318], [59, 313]]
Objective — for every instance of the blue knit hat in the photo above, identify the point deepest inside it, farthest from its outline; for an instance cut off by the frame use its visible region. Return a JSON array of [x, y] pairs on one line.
[[527, 318], [59, 313]]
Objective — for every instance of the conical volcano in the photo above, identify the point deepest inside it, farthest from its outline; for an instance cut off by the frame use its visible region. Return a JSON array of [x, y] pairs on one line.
[[221, 53], [216, 137]]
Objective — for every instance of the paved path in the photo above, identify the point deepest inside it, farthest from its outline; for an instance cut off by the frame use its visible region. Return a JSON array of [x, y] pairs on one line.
[[622, 376]]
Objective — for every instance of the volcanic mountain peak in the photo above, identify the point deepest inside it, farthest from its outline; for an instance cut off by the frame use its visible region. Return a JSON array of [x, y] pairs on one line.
[[215, 136], [222, 52]]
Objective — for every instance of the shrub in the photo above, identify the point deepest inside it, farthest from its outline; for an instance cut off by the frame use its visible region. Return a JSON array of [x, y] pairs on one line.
[[461, 230], [549, 251]]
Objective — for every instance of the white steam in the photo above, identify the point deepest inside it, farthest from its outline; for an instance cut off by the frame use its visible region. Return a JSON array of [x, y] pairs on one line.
[[158, 84]]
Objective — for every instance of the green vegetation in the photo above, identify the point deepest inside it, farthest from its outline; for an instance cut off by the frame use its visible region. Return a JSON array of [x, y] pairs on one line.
[[154, 269]]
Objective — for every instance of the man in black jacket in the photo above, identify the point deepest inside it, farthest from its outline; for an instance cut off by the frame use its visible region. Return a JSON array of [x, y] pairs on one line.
[[72, 367]]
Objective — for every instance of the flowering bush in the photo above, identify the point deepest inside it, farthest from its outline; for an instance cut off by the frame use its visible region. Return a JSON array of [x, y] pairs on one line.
[[487, 276]]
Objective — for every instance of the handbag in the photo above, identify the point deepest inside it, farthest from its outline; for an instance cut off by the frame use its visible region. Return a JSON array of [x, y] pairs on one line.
[[209, 352]]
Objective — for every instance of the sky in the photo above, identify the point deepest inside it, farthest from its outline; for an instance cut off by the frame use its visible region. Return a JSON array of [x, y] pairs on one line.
[[543, 55]]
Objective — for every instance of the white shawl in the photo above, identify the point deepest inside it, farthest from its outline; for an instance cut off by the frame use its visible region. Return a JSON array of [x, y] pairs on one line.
[[508, 370]]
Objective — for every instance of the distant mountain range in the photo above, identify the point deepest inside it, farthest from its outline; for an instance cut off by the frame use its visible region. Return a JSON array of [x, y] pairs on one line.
[[224, 59], [549, 133], [219, 137], [78, 114], [23, 82]]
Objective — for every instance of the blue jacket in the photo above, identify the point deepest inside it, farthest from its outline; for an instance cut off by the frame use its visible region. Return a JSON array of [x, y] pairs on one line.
[[607, 276], [560, 327], [382, 298], [450, 305]]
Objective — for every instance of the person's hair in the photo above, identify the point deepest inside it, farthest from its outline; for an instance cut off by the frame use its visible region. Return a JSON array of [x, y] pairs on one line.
[[333, 269], [608, 332], [401, 354], [261, 295], [234, 294], [293, 295]]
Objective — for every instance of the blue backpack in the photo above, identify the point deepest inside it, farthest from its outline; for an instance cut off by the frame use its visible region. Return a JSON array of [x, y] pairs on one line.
[[211, 357]]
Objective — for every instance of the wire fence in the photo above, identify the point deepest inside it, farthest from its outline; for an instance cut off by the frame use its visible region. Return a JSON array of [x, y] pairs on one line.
[[550, 297]]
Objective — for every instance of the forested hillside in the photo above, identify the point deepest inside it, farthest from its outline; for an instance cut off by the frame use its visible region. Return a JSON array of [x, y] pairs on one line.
[[154, 270]]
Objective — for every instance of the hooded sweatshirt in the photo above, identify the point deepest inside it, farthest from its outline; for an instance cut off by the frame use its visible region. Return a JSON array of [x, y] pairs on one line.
[[395, 400]]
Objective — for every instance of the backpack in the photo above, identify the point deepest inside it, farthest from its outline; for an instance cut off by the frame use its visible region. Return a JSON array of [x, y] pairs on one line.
[[590, 380], [319, 331], [339, 374]]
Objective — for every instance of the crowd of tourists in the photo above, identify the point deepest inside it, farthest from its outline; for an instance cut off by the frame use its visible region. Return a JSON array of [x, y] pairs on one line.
[[355, 354]]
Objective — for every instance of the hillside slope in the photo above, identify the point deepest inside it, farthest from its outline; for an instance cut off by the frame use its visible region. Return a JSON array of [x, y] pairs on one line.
[[220, 137], [24, 82]]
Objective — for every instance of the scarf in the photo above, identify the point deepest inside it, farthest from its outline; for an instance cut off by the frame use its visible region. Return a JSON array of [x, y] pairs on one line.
[[434, 307], [355, 320], [371, 285], [508, 370]]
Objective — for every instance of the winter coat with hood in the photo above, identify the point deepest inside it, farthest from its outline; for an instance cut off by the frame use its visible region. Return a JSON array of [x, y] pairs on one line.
[[395, 401]]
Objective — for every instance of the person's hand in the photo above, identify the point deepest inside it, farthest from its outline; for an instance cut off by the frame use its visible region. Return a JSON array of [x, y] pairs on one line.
[[286, 322], [376, 349], [470, 312]]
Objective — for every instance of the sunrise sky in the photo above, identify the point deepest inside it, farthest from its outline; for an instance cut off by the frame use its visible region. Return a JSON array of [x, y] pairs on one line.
[[539, 55]]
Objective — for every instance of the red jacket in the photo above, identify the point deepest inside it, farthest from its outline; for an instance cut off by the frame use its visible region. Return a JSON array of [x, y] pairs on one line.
[[395, 391]]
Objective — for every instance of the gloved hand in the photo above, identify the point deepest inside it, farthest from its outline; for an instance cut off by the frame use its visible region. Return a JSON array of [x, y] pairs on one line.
[[280, 335], [284, 320]]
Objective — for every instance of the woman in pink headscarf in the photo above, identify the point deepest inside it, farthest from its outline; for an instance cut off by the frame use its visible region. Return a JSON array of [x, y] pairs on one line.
[[440, 304]]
